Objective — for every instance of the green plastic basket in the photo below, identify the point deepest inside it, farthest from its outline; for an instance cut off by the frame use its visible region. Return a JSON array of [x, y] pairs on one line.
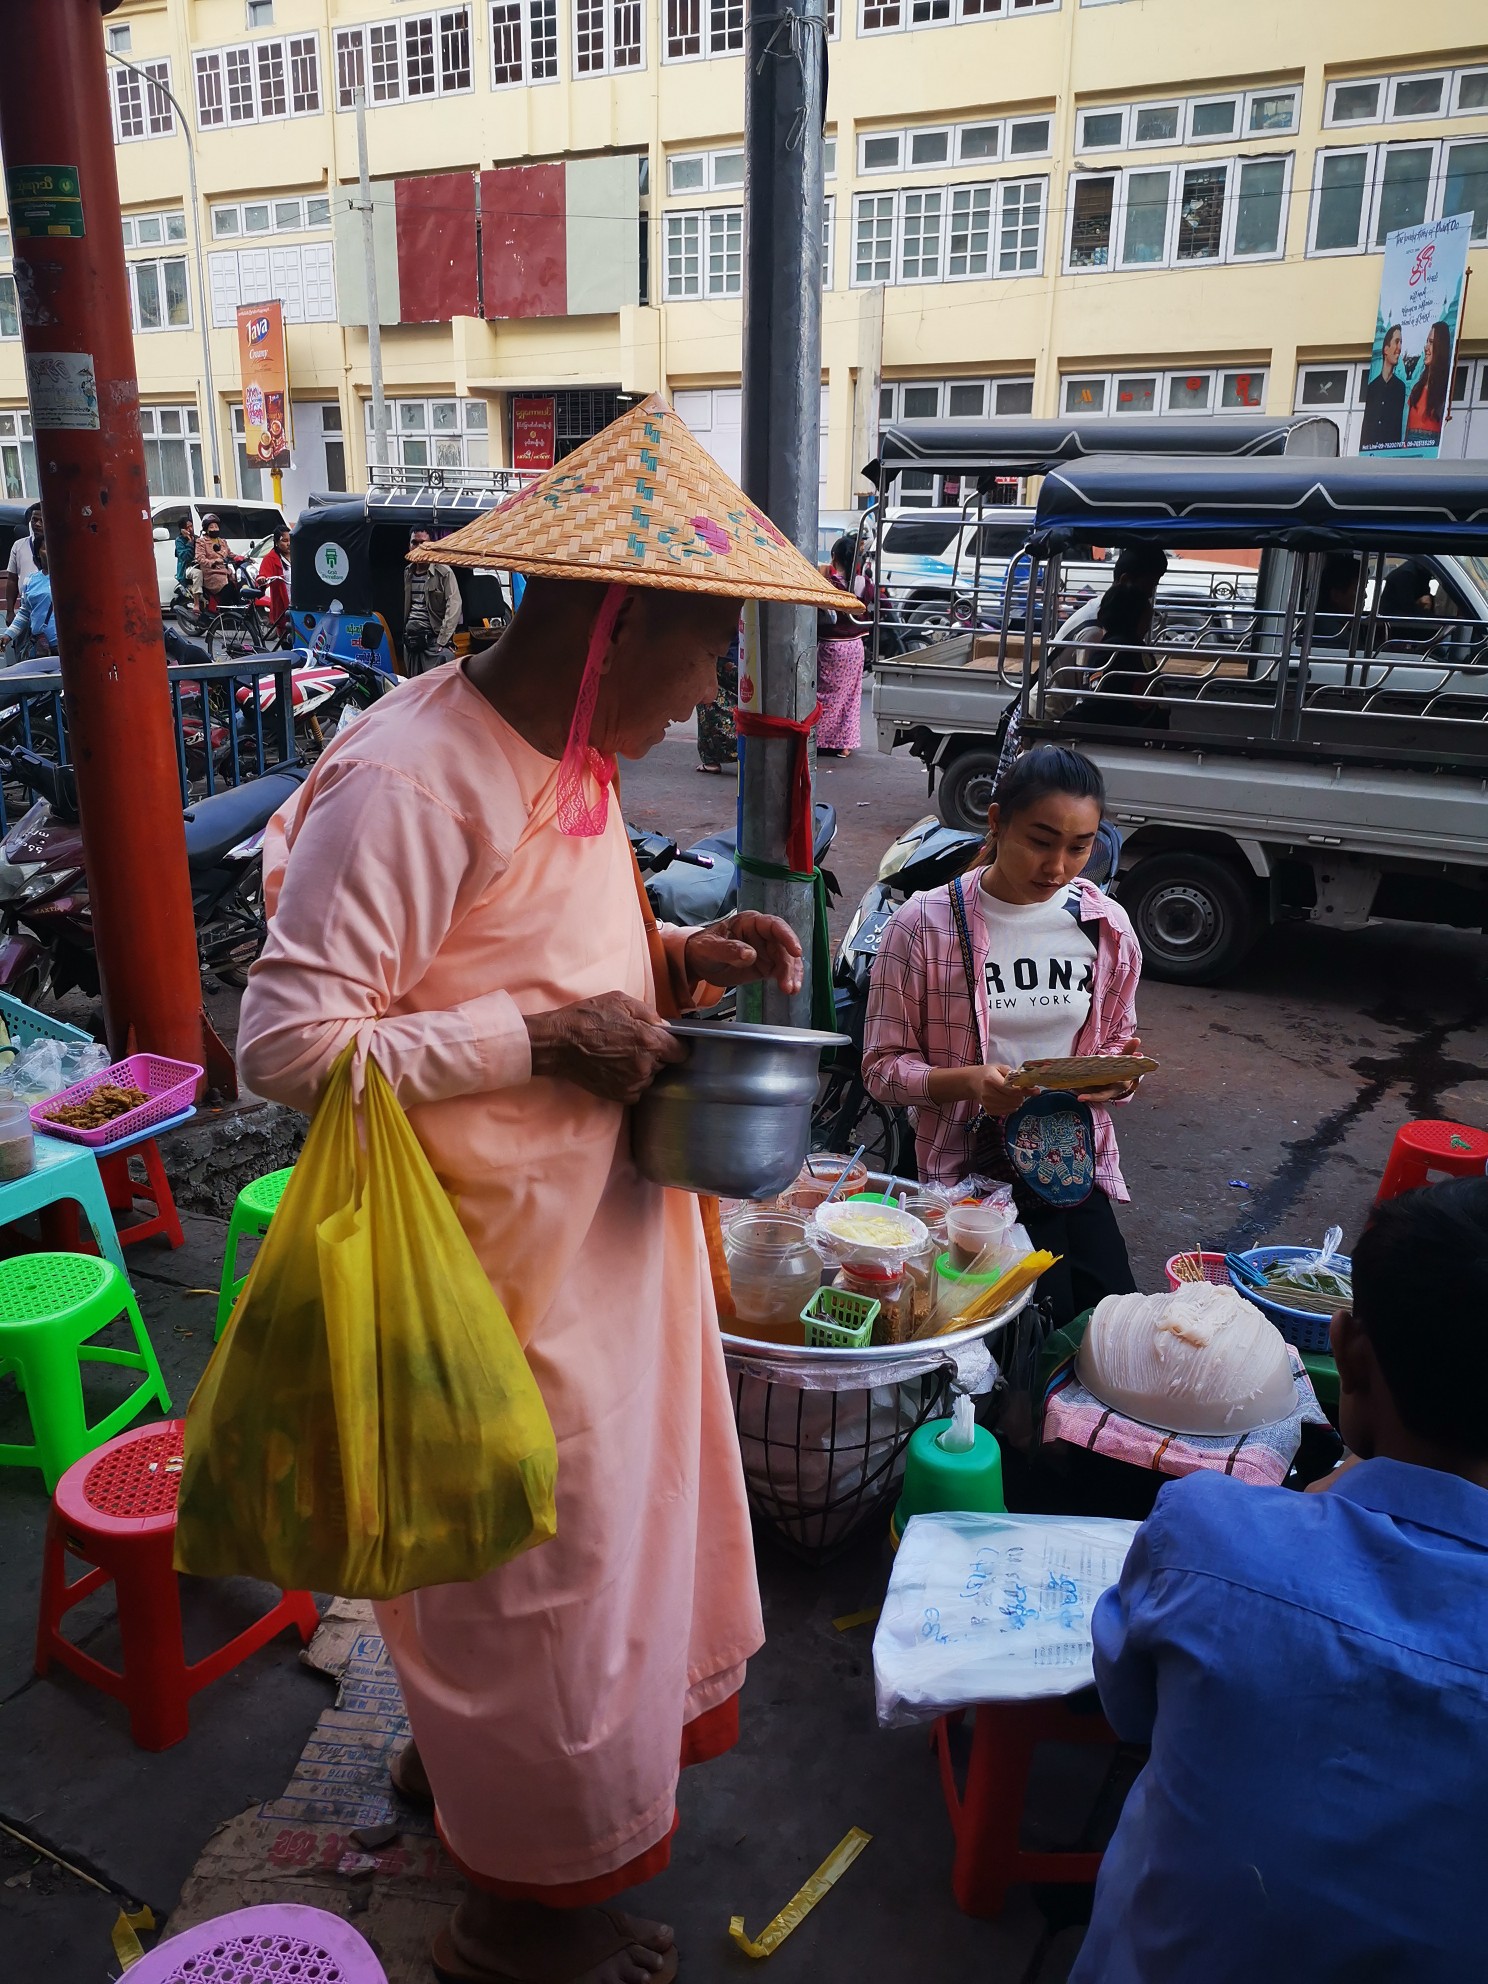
[[836, 1319]]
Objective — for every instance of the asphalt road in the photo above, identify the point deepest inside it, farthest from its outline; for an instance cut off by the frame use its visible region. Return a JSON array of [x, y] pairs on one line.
[[1279, 1092]]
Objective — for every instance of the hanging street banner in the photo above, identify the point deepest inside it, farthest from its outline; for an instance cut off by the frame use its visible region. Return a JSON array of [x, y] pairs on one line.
[[534, 425], [264, 365], [1409, 389]]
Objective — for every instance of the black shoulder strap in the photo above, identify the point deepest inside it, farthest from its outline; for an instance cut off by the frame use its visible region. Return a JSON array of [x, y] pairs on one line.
[[968, 959]]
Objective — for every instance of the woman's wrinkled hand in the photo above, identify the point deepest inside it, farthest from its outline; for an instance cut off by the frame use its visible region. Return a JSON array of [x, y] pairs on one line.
[[612, 1045], [744, 948]]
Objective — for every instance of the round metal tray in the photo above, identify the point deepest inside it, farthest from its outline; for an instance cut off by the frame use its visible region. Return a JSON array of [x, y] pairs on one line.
[[800, 1353]]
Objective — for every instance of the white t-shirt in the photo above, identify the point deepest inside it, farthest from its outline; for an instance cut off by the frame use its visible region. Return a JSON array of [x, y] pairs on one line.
[[22, 562], [1038, 975]]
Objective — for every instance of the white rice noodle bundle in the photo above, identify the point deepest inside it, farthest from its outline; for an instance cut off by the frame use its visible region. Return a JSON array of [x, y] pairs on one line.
[[1200, 1360]]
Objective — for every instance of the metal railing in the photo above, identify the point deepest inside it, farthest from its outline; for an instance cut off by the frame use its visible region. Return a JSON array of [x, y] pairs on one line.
[[232, 720]]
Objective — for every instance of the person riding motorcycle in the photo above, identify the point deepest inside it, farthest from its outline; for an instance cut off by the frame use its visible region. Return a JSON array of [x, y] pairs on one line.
[[218, 567]]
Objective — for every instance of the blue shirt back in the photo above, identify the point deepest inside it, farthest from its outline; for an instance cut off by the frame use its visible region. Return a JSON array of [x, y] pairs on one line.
[[1311, 1672]]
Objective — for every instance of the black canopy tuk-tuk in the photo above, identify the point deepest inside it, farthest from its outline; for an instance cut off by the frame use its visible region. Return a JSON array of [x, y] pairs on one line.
[[347, 564]]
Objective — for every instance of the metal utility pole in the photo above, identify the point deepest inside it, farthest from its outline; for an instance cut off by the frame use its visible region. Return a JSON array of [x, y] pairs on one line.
[[785, 78], [63, 194], [369, 263], [203, 312]]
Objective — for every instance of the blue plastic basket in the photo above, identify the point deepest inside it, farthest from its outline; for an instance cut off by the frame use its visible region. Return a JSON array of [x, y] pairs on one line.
[[25, 1025], [1299, 1326]]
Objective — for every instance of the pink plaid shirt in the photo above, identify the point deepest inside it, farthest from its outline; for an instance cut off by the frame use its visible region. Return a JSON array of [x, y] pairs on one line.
[[919, 1018]]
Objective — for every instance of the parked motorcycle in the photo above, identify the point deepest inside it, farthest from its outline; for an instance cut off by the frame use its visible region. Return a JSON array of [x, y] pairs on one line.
[[700, 883], [45, 913]]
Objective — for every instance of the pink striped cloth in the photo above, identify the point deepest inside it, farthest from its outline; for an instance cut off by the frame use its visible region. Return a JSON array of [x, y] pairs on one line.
[[1264, 1456]]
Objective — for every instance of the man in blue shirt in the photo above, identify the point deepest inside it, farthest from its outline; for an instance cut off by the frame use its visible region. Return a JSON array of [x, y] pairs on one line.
[[1311, 1671]]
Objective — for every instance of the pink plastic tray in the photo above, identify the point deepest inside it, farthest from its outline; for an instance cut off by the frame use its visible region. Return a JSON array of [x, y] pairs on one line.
[[170, 1085]]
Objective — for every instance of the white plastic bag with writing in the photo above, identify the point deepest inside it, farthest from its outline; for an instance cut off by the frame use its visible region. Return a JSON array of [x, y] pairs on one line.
[[986, 1608]]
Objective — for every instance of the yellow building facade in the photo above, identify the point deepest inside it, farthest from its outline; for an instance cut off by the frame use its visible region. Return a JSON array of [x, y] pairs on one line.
[[1121, 206]]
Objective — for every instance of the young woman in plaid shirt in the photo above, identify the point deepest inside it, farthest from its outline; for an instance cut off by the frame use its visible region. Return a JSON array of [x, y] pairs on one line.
[[1055, 965]]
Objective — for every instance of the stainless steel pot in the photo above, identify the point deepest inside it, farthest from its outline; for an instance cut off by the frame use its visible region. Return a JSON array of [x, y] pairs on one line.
[[734, 1118]]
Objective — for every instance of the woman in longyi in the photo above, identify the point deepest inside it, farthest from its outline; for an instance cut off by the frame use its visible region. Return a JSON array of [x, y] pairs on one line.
[[453, 889]]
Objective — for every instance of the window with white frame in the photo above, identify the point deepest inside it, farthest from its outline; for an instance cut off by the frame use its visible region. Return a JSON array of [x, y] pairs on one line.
[[932, 146], [1165, 216], [1190, 390], [258, 82], [607, 37], [829, 237], [405, 61], [704, 253], [18, 478], [301, 275], [705, 172], [173, 450], [889, 16], [955, 399], [1363, 193], [260, 13], [10, 320], [953, 233], [1397, 99], [1197, 120], [435, 433], [291, 216], [159, 296], [141, 108], [524, 42], [118, 40], [703, 27]]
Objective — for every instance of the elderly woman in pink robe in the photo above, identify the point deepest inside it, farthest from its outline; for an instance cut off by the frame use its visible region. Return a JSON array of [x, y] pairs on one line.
[[446, 894]]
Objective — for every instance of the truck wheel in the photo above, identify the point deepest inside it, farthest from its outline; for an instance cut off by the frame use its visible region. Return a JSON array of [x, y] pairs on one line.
[[965, 790], [1194, 917]]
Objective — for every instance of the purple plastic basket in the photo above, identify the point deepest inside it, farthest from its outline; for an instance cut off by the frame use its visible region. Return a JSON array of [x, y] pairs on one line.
[[170, 1085], [286, 1943]]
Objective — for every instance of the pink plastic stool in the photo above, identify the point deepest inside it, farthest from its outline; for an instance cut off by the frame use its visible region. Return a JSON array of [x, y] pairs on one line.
[[285, 1944], [1421, 1148]]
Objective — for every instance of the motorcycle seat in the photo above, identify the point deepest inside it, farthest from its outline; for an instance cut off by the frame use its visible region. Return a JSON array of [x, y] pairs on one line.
[[214, 825]]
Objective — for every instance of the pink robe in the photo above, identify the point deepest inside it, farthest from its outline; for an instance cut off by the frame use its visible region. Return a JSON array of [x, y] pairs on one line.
[[428, 902]]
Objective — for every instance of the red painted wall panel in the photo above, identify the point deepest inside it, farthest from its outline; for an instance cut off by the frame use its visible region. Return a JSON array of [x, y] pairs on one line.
[[524, 244], [436, 247]]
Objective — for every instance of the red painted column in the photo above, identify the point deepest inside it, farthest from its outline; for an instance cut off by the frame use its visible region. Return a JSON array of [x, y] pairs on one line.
[[63, 193]]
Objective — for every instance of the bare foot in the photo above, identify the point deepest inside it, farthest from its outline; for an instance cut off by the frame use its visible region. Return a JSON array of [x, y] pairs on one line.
[[521, 1942]]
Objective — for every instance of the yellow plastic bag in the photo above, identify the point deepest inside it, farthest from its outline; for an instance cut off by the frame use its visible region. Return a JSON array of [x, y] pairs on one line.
[[368, 1423]]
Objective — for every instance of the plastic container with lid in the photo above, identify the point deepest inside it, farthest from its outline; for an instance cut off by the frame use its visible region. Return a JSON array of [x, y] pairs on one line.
[[17, 1141], [774, 1271], [892, 1288], [972, 1228], [818, 1175]]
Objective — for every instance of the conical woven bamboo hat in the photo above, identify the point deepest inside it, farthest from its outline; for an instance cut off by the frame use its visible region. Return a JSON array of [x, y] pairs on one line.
[[641, 504]]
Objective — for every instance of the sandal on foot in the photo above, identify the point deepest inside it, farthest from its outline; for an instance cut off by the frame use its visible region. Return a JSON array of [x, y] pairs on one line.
[[611, 1936]]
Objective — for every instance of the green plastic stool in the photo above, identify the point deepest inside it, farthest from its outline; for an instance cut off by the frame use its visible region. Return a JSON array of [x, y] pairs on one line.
[[255, 1207], [50, 1306]]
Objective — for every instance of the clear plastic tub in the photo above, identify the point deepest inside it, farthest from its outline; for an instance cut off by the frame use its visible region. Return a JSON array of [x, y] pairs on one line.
[[818, 1175], [773, 1272], [17, 1142], [972, 1229]]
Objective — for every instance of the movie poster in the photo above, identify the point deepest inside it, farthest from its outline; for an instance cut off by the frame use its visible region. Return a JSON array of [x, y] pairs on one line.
[[1409, 389], [268, 435]]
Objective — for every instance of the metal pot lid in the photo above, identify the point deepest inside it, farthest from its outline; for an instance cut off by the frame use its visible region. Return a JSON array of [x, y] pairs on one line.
[[767, 1036]]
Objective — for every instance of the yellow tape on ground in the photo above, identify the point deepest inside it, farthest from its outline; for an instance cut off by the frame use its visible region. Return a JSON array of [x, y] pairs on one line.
[[851, 1619], [127, 1946], [804, 1900]]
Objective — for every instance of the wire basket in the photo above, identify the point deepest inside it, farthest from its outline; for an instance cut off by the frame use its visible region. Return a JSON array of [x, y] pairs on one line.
[[169, 1085], [1212, 1268], [1307, 1328], [818, 1465], [837, 1319]]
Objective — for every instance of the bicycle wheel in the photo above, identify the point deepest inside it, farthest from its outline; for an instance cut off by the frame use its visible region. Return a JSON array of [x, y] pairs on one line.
[[846, 1115]]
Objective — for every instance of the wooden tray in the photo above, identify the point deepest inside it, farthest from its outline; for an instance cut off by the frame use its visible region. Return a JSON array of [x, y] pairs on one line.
[[1083, 1074]]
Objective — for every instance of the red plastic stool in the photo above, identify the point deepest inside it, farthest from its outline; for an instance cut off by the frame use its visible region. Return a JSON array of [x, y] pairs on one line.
[[125, 1193], [116, 1509], [1421, 1148], [987, 1817]]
